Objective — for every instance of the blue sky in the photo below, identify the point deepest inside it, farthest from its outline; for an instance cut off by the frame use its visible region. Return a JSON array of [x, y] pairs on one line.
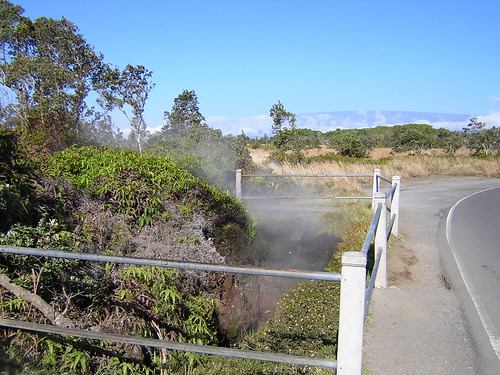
[[242, 56]]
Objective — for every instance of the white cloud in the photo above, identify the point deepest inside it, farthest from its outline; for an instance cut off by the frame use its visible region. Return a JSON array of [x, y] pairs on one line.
[[445, 124], [308, 120], [323, 116], [420, 121], [154, 129], [379, 119], [491, 119], [320, 121], [452, 125], [496, 98], [252, 125], [258, 125], [154, 125]]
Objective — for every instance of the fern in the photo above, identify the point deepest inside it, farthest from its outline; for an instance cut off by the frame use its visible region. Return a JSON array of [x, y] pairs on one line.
[[138, 184]]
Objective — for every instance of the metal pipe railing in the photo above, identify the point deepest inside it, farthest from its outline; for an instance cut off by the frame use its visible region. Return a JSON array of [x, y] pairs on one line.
[[371, 284], [203, 349], [371, 231], [171, 345], [391, 225], [305, 175], [384, 179], [306, 198], [240, 176], [391, 192], [291, 273]]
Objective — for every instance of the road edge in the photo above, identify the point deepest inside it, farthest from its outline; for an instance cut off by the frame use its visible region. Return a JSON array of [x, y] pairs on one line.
[[456, 278]]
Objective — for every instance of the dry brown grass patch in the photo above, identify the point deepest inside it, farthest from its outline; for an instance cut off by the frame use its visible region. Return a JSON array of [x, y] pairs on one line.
[[403, 165]]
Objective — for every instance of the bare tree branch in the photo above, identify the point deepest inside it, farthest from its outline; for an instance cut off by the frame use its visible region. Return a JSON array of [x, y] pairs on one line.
[[38, 302]]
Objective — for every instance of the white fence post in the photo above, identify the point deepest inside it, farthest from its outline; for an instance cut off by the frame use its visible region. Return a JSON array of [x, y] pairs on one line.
[[395, 204], [238, 184], [352, 313], [376, 184], [381, 241]]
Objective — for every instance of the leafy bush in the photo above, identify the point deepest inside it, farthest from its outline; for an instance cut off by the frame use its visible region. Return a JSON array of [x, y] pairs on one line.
[[483, 140], [17, 198], [348, 144], [144, 301], [415, 137], [141, 185], [124, 196]]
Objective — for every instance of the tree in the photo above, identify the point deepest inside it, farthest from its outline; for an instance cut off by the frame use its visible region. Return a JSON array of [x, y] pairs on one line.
[[128, 91], [281, 117], [185, 126], [449, 140], [101, 131], [184, 117], [15, 58], [481, 139], [414, 137], [310, 138], [286, 135], [47, 70], [204, 151]]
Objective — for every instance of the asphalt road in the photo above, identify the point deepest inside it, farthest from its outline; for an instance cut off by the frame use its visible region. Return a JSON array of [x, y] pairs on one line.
[[473, 237], [425, 322]]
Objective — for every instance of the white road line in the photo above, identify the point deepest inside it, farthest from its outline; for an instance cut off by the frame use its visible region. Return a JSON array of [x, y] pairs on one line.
[[483, 315]]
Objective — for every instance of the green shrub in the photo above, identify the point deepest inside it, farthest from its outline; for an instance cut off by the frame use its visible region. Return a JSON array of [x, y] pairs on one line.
[[17, 190], [139, 185], [143, 301], [348, 144]]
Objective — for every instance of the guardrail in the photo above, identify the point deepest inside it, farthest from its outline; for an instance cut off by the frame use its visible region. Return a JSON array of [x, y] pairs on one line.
[[392, 196], [278, 358], [354, 296], [240, 176]]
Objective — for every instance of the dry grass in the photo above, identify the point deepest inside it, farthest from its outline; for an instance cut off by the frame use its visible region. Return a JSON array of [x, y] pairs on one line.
[[335, 186], [405, 166], [425, 165]]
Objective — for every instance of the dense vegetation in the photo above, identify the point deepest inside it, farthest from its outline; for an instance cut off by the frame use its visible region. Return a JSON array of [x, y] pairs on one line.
[[289, 141], [70, 181], [119, 202], [58, 190]]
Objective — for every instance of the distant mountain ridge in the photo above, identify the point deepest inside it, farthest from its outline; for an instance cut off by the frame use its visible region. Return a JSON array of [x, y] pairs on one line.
[[327, 121], [257, 126]]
